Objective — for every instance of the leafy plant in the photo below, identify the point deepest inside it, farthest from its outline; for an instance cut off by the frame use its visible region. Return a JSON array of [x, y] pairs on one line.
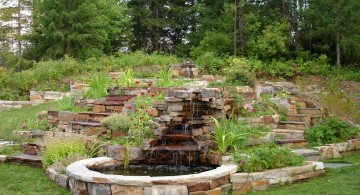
[[268, 156], [67, 103], [126, 79], [60, 165], [330, 130], [228, 135], [98, 86], [116, 122], [58, 149]]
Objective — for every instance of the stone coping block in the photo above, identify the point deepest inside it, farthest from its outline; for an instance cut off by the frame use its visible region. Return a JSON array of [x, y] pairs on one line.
[[80, 171]]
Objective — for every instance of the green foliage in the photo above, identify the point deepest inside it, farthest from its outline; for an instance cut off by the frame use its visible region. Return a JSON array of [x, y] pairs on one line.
[[269, 156], [330, 130], [271, 43], [141, 124], [217, 43], [224, 136], [166, 79], [60, 165], [82, 29], [98, 86], [59, 149], [67, 103], [232, 135], [210, 63], [239, 72], [126, 79], [117, 122], [10, 150]]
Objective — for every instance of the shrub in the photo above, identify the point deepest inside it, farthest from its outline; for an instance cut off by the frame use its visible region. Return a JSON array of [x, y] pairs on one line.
[[210, 63], [239, 72], [330, 130], [117, 122], [60, 165], [268, 156], [58, 149]]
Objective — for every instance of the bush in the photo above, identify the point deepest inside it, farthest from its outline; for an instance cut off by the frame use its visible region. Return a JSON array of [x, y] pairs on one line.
[[239, 72], [269, 156], [330, 130], [209, 63], [117, 122], [59, 149]]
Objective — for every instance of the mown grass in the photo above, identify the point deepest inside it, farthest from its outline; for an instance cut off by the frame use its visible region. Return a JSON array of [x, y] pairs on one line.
[[344, 180], [14, 119], [18, 179]]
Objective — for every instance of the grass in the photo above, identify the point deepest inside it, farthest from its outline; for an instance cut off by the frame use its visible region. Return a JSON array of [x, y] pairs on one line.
[[18, 179], [344, 180], [15, 119]]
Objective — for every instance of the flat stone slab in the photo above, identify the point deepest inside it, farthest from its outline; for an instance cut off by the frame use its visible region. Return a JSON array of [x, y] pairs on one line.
[[92, 124], [26, 159], [336, 165], [4, 143], [306, 152]]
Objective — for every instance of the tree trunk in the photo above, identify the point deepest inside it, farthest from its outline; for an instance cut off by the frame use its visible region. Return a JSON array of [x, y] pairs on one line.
[[19, 44], [235, 23], [338, 51]]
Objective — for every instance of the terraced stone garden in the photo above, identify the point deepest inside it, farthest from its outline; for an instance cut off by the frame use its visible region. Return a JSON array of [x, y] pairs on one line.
[[179, 133]]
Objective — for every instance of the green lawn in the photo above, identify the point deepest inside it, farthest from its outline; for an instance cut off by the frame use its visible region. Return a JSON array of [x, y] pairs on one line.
[[14, 119], [345, 180], [15, 179]]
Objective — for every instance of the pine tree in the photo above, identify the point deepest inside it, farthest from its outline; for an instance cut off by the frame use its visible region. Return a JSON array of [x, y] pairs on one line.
[[81, 28]]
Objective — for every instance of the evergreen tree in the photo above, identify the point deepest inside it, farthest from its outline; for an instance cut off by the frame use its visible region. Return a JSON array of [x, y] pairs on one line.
[[81, 28]]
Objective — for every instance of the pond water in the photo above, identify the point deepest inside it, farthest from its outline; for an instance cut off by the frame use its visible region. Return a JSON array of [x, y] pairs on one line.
[[156, 170]]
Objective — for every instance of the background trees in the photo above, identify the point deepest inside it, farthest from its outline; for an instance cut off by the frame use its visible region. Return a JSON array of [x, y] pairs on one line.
[[265, 30], [82, 28]]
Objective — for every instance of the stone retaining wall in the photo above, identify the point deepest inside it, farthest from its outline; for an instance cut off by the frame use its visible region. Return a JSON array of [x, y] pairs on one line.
[[334, 150], [7, 105], [244, 182]]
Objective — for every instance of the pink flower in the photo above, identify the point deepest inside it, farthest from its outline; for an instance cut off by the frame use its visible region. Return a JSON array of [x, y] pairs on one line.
[[142, 93], [249, 107]]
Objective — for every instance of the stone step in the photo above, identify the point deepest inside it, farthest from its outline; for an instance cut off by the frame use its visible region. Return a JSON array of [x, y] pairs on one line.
[[296, 125], [298, 117], [31, 148], [293, 143], [119, 98], [90, 116], [25, 159], [308, 154], [310, 111], [88, 128], [108, 106], [288, 134]]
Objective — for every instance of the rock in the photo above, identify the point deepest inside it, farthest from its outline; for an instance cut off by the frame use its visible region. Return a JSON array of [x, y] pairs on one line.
[[66, 116], [63, 180], [2, 158], [216, 191], [97, 189], [201, 186], [166, 190], [127, 190], [117, 152], [136, 154]]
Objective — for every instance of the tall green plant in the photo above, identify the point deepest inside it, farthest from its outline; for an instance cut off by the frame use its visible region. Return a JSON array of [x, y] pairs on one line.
[[98, 86], [126, 79]]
